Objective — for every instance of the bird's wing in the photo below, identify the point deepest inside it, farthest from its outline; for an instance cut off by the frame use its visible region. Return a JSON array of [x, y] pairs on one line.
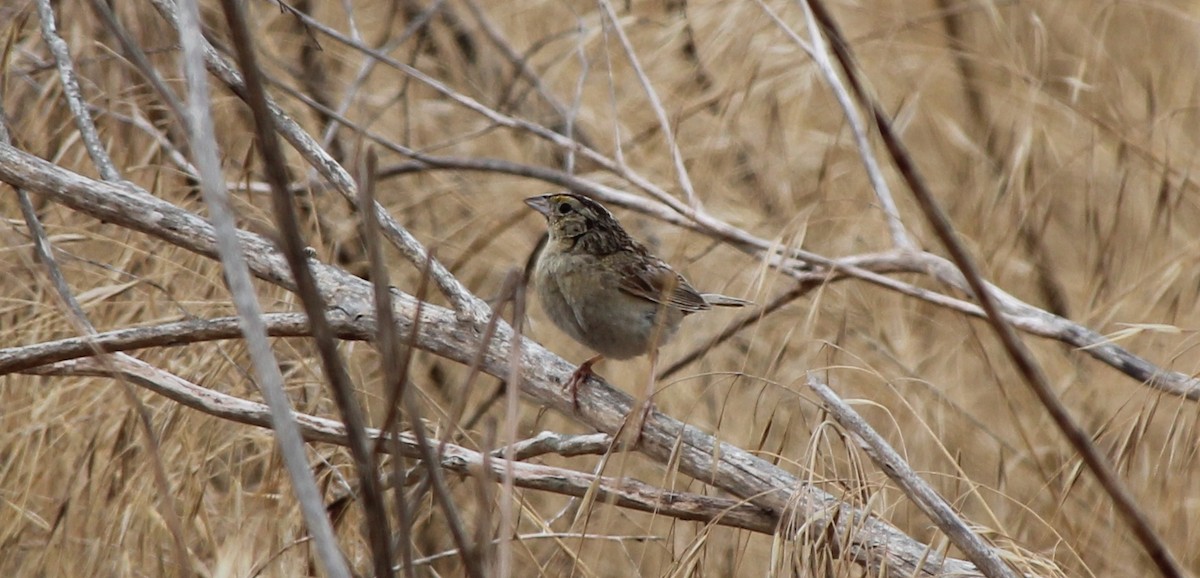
[[653, 280]]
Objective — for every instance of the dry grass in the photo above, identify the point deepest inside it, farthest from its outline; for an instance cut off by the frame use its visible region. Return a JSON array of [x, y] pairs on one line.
[[1070, 180]]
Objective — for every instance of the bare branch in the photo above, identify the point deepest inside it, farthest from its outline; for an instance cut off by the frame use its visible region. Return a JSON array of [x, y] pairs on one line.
[[464, 302], [558, 444], [858, 128], [1031, 372], [73, 94], [378, 528], [624, 492], [225, 243], [441, 332], [14, 359], [986, 558], [664, 124]]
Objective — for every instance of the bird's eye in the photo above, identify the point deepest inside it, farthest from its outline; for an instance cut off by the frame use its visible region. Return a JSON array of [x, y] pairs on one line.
[[564, 208]]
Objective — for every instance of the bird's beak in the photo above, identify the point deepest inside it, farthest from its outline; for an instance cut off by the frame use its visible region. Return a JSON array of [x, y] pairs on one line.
[[540, 204]]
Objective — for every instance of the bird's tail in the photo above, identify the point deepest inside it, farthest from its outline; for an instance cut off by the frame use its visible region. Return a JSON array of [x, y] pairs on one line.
[[718, 300]]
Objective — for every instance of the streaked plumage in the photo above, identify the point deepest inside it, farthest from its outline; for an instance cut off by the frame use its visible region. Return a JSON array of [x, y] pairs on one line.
[[603, 288]]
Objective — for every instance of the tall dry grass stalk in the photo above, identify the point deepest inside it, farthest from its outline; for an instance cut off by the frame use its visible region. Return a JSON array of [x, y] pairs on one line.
[[136, 415]]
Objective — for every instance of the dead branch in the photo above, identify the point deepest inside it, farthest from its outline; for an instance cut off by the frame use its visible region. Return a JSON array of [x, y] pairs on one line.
[[623, 492], [870, 540]]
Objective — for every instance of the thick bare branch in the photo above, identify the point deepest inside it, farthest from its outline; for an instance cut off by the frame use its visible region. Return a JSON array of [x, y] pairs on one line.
[[441, 332], [624, 492], [308, 147]]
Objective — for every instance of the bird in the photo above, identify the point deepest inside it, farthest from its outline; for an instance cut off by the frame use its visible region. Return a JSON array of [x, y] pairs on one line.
[[605, 289]]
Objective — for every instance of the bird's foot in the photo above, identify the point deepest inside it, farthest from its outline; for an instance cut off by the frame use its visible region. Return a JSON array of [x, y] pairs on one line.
[[578, 378]]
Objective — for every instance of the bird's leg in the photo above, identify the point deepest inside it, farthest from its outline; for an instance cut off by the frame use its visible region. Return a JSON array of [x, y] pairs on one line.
[[579, 377]]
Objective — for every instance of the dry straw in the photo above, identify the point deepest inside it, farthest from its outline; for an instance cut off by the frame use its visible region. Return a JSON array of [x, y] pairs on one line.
[[167, 327]]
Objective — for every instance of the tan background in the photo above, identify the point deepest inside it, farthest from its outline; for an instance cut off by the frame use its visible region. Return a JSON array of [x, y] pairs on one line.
[[1070, 181]]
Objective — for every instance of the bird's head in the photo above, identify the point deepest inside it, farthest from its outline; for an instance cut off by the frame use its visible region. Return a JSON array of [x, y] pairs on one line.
[[576, 219]]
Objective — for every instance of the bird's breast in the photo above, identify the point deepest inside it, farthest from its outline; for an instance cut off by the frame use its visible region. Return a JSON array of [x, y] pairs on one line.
[[581, 296]]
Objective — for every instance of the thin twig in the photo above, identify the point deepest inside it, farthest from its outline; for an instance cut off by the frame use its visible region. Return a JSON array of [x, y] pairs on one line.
[[73, 94], [441, 491], [378, 528], [986, 558], [76, 314], [368, 64], [237, 277], [883, 193], [660, 113], [512, 422], [14, 359], [132, 51], [394, 362], [1031, 372], [744, 321], [103, 162], [519, 63]]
